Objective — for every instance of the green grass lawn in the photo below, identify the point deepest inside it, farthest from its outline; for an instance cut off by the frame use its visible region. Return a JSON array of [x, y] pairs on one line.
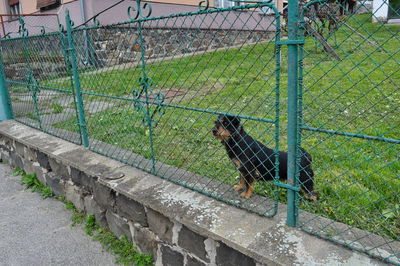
[[358, 180]]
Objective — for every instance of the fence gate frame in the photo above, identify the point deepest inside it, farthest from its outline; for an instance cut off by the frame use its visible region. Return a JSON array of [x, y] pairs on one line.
[[139, 15]]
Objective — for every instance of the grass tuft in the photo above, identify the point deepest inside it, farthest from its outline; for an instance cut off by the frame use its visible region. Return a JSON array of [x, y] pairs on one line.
[[57, 108], [31, 182]]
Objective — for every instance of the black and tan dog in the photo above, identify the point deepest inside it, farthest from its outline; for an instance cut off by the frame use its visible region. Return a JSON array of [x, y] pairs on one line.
[[255, 161]]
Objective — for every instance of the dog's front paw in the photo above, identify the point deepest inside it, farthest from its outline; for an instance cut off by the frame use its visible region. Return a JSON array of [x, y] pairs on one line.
[[312, 196], [237, 187], [245, 195]]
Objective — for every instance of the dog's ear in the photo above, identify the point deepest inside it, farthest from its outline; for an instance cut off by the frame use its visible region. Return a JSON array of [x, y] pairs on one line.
[[235, 121]]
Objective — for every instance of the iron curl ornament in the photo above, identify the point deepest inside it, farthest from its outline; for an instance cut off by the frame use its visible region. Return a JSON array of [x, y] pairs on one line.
[[96, 21], [42, 30], [146, 96], [23, 31], [204, 5], [21, 28], [137, 12], [61, 27]]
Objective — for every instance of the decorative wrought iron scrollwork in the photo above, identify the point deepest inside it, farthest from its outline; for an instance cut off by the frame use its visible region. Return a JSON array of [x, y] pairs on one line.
[[23, 31], [96, 22], [34, 89], [152, 99], [8, 35], [137, 12], [204, 5], [69, 20], [43, 30], [61, 27]]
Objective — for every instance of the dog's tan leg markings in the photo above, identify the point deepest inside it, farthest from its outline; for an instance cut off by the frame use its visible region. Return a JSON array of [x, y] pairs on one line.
[[249, 191], [236, 162], [310, 196], [241, 184]]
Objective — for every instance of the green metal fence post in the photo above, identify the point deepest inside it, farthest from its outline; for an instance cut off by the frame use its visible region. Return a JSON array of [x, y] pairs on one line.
[[145, 82], [292, 131], [71, 49], [6, 112]]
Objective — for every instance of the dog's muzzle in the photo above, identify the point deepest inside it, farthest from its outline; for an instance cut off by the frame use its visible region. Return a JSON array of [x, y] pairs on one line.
[[215, 132]]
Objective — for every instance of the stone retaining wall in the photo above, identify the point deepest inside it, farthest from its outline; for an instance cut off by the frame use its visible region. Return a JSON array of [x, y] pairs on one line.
[[118, 45], [169, 241], [174, 224]]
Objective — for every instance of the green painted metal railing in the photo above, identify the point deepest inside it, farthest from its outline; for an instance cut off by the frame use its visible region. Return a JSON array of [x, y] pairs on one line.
[[77, 83], [361, 169], [146, 91], [6, 112]]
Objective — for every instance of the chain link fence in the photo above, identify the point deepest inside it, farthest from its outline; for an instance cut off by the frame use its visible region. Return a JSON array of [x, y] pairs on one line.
[[350, 121], [147, 92]]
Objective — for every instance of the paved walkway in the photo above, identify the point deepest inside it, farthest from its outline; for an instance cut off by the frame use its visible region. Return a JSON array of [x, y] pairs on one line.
[[34, 231]]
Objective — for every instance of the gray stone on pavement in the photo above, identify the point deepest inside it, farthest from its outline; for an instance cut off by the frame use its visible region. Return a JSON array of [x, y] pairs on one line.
[[36, 231]]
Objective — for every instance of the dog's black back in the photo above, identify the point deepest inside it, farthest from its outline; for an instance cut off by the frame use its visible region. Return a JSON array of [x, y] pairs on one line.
[[258, 161]]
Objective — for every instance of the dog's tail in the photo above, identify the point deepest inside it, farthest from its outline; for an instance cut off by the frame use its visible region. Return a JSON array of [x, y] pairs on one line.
[[304, 155], [307, 175]]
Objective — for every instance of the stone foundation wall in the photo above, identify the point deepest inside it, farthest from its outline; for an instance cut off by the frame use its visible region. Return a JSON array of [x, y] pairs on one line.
[[176, 225], [120, 45], [110, 46], [169, 241]]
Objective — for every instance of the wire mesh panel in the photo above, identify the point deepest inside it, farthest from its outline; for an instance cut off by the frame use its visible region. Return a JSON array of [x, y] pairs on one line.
[[165, 94], [351, 125], [153, 87], [222, 62], [39, 84]]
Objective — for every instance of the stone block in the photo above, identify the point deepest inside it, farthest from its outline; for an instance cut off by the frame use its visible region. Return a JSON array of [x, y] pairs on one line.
[[4, 146], [144, 239], [39, 171], [91, 206], [118, 225], [19, 149], [7, 142], [160, 225], [11, 144], [101, 219], [74, 194], [5, 156], [82, 179], [227, 256], [76, 176], [43, 160], [58, 168], [131, 210], [192, 261], [104, 196], [55, 183], [30, 154], [193, 243], [28, 166], [16, 161], [170, 257]]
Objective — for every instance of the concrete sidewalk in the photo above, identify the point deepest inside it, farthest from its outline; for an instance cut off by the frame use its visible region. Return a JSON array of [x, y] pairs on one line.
[[34, 231]]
